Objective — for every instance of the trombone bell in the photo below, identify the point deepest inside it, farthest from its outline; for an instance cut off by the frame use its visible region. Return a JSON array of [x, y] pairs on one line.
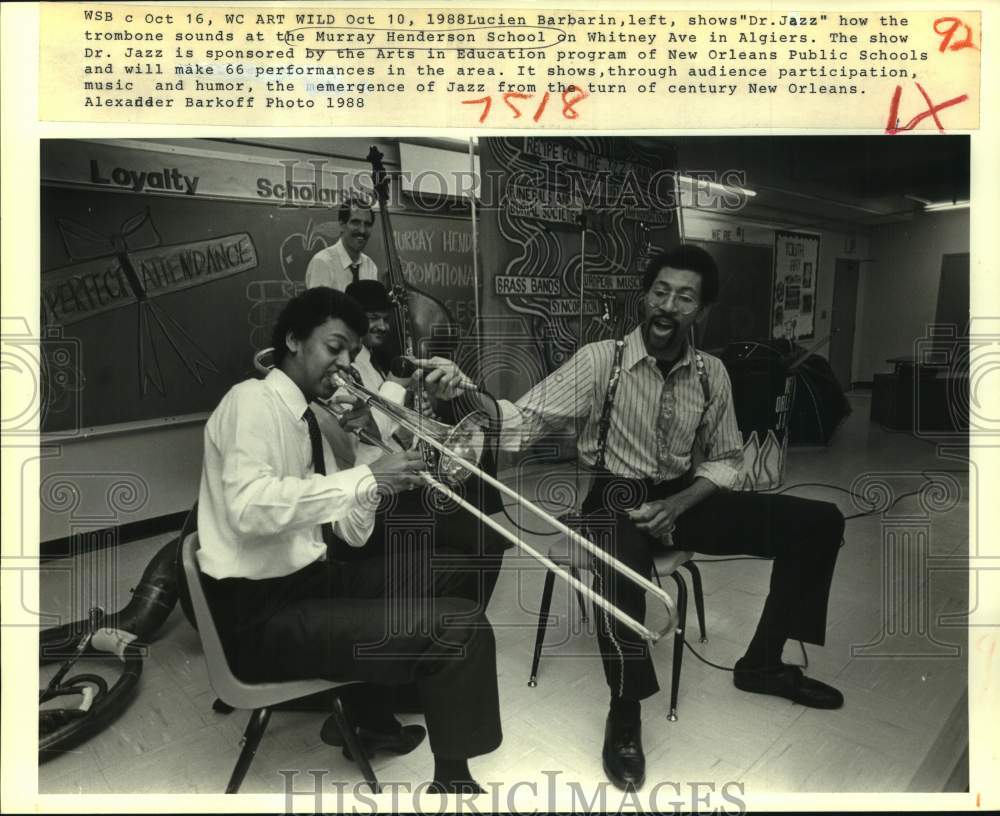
[[466, 440], [457, 446], [460, 449]]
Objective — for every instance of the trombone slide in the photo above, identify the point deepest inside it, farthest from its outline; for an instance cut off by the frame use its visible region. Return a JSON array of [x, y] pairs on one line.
[[405, 418], [645, 633]]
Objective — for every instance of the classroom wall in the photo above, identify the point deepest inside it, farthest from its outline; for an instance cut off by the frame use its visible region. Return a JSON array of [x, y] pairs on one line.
[[703, 226], [101, 469], [118, 478], [899, 287], [900, 266]]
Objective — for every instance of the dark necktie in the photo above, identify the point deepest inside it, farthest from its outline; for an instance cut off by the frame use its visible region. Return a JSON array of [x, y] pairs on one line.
[[319, 465], [380, 369], [355, 269]]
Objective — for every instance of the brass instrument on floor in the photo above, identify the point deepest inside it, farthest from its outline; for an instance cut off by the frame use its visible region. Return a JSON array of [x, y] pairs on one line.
[[460, 448]]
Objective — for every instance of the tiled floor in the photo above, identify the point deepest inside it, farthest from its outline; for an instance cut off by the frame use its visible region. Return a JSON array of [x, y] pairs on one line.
[[899, 692]]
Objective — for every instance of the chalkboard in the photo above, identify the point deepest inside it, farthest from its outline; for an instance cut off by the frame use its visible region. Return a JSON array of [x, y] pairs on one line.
[[744, 306], [215, 273]]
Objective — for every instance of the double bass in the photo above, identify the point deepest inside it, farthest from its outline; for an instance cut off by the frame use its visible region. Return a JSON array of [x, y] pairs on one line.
[[425, 327]]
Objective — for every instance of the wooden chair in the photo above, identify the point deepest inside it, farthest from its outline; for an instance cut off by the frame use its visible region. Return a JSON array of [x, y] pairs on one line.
[[259, 698], [665, 563]]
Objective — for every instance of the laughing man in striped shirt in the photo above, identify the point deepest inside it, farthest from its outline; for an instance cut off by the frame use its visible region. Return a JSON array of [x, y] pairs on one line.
[[665, 477]]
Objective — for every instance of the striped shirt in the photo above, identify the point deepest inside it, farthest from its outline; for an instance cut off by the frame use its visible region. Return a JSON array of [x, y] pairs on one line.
[[656, 425]]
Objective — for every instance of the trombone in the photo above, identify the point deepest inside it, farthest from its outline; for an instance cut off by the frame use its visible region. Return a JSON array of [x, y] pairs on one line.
[[459, 450]]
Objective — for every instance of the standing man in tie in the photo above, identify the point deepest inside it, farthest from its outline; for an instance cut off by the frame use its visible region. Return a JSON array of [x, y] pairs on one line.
[[339, 266], [343, 263]]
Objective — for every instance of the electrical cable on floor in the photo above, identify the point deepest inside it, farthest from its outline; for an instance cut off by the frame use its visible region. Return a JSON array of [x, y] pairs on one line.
[[815, 484], [522, 528], [876, 510], [706, 661], [805, 656], [803, 665]]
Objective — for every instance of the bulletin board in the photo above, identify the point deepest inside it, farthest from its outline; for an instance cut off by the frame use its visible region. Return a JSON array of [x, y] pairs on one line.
[[796, 270]]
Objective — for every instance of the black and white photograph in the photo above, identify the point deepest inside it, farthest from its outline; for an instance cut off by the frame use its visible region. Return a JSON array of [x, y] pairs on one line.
[[555, 471]]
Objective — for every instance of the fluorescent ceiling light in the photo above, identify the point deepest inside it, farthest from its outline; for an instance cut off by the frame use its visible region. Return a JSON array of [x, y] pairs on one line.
[[946, 205], [705, 184], [939, 206]]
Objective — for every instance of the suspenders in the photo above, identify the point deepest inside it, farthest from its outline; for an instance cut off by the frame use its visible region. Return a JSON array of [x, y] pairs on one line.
[[604, 424]]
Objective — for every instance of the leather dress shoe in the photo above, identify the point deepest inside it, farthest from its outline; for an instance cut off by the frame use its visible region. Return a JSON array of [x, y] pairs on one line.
[[402, 741], [788, 682], [624, 761]]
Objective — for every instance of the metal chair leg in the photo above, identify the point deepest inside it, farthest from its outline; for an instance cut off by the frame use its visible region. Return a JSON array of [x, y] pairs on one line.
[[579, 595], [354, 744], [543, 623], [699, 597], [251, 739], [675, 678]]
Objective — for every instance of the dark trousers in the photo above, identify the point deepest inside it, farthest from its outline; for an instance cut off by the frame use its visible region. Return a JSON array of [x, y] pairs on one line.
[[802, 536], [387, 621], [458, 544]]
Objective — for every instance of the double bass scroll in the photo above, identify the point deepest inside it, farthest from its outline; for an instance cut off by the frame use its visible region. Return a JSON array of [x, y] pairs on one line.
[[424, 325]]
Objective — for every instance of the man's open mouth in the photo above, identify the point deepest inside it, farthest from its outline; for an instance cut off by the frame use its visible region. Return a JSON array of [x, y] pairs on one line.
[[663, 325]]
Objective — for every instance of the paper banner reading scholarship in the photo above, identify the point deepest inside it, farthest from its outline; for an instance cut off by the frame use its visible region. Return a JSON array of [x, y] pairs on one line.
[[796, 266]]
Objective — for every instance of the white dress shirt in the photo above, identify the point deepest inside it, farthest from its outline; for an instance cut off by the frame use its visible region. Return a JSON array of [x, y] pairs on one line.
[[332, 267], [656, 423], [390, 391], [261, 503], [393, 392]]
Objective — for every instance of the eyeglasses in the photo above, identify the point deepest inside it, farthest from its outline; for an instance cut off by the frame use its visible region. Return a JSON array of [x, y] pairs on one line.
[[683, 302]]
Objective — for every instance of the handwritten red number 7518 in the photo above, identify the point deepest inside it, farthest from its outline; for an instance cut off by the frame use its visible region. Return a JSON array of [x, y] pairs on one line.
[[570, 98]]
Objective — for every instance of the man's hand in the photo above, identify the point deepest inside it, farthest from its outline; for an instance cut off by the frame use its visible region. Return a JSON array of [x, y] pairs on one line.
[[353, 415], [442, 379], [398, 472], [659, 517]]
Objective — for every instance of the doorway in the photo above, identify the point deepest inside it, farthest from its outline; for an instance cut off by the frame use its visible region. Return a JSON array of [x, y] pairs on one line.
[[953, 294], [842, 318]]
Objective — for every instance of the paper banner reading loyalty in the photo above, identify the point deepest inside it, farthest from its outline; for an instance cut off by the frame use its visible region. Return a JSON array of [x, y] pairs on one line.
[[137, 233]]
